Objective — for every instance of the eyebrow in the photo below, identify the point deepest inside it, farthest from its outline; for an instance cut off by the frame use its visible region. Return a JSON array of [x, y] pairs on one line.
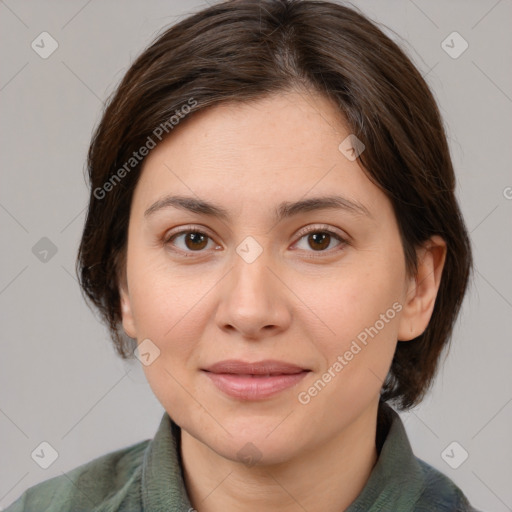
[[284, 210]]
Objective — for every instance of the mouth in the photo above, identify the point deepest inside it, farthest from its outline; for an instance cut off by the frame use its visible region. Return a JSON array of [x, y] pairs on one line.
[[254, 381]]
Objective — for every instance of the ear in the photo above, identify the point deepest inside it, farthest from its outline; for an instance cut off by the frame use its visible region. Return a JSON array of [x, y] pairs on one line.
[[422, 290], [126, 310]]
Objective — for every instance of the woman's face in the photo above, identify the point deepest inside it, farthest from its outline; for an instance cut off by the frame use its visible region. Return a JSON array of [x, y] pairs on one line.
[[318, 290]]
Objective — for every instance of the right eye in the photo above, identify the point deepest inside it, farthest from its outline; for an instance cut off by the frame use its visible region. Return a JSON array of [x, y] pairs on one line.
[[189, 241]]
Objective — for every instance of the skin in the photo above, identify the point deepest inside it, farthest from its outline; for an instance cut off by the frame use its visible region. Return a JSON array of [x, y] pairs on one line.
[[296, 302]]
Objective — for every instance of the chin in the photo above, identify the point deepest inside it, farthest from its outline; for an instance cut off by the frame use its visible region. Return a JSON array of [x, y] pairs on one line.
[[257, 452], [255, 440]]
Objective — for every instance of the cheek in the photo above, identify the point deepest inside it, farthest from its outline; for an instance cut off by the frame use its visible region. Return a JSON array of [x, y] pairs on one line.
[[162, 295], [356, 297], [361, 308], [169, 308]]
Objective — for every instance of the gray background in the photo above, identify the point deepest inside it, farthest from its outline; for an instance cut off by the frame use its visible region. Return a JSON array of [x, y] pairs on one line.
[[60, 380]]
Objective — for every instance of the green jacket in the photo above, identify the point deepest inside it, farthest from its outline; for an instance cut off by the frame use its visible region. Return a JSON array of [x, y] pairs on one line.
[[147, 476]]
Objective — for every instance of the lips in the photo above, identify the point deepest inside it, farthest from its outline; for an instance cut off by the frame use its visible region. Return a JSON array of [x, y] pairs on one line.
[[256, 380]]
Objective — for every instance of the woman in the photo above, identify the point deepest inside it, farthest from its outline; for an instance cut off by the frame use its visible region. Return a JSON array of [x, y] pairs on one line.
[[273, 232]]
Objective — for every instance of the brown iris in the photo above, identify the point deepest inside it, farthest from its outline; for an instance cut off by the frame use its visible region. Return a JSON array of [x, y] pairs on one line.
[[320, 239], [196, 241]]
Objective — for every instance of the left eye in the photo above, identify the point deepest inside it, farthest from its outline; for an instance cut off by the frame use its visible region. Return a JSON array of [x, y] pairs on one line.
[[320, 240]]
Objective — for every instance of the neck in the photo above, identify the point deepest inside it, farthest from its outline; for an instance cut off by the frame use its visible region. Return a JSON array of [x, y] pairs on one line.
[[328, 477]]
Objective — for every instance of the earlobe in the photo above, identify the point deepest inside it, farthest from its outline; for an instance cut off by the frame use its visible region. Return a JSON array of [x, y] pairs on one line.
[[126, 313], [422, 291]]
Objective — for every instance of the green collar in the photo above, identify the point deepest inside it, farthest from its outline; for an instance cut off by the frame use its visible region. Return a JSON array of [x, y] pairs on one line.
[[399, 482]]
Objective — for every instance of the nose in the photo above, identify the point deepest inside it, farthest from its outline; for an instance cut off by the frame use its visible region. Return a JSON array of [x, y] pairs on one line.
[[253, 301]]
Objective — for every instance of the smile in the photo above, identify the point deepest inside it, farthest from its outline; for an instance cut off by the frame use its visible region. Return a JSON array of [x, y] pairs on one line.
[[254, 387], [254, 381]]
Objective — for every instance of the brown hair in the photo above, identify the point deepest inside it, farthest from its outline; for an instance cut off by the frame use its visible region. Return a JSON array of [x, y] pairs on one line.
[[243, 50]]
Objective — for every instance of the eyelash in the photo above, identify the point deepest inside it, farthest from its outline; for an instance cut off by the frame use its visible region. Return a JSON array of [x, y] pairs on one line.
[[316, 229]]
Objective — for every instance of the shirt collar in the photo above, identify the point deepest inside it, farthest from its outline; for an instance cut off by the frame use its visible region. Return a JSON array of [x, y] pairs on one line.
[[396, 478], [396, 481], [163, 487]]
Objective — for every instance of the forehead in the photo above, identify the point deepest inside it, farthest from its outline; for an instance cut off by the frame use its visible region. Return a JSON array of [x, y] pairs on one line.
[[279, 129], [281, 147]]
